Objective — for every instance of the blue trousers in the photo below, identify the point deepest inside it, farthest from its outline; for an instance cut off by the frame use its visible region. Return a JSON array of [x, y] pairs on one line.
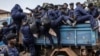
[[87, 17], [29, 43], [55, 25], [45, 31], [58, 21]]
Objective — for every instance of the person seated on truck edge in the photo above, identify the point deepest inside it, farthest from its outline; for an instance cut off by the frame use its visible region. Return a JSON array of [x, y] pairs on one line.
[[84, 6], [17, 16], [64, 14], [82, 16], [95, 13], [93, 10], [10, 49], [71, 11]]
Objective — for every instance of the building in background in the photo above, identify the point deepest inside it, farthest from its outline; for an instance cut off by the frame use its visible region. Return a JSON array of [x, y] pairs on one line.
[[4, 14]]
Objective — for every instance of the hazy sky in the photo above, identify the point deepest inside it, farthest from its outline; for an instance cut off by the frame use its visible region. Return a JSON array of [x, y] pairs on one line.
[[8, 4]]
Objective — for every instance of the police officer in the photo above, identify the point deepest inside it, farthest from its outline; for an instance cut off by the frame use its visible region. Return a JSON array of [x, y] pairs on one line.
[[5, 30], [28, 38], [17, 16], [82, 15], [10, 49], [64, 16], [83, 5], [51, 12], [56, 20], [65, 7], [71, 10], [93, 10]]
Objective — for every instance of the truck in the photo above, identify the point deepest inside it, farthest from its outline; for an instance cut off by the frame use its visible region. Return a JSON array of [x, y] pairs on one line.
[[73, 40]]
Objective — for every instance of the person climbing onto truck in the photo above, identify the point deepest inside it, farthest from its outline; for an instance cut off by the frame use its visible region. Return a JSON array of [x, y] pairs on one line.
[[17, 15], [28, 38]]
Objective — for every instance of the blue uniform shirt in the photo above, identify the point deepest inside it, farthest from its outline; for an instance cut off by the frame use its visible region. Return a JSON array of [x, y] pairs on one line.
[[8, 51], [27, 33], [71, 12], [17, 14], [94, 12], [52, 14], [5, 30], [79, 11]]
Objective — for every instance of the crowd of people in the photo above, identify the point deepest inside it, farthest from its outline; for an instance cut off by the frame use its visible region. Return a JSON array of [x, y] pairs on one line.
[[41, 20]]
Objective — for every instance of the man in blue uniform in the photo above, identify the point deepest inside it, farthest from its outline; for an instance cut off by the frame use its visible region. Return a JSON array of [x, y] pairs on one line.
[[93, 10], [64, 16], [66, 9], [17, 16], [5, 30], [82, 15], [10, 49], [46, 22], [71, 11], [28, 38]]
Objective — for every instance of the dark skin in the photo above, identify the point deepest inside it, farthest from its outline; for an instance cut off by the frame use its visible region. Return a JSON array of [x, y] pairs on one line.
[[71, 7], [84, 6], [91, 8], [65, 6], [12, 42]]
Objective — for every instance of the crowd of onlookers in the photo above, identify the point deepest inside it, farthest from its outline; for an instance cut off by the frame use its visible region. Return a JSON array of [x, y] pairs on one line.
[[42, 19]]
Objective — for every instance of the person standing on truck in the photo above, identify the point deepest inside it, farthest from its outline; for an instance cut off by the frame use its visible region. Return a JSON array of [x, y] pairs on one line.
[[81, 15], [10, 49], [28, 38], [17, 16]]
